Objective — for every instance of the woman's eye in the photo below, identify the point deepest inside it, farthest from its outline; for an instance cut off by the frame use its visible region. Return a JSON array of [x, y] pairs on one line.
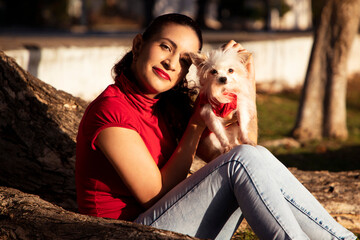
[[166, 47], [213, 71], [231, 70]]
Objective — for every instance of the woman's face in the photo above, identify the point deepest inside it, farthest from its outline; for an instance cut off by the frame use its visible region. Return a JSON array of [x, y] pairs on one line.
[[162, 61]]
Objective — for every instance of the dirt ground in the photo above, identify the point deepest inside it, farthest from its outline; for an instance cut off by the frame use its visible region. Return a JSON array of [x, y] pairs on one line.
[[338, 192]]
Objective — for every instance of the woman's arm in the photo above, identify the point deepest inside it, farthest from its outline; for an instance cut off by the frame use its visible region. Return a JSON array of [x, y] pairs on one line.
[[128, 154]]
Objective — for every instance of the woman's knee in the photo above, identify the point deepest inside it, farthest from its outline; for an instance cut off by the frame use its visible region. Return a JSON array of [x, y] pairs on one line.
[[246, 154], [245, 162], [244, 148], [262, 149]]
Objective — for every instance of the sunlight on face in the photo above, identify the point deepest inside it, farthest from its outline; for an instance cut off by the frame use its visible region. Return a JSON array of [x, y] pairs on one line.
[[163, 61]]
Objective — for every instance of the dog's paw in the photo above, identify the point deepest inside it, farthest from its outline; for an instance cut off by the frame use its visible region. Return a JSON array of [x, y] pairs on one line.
[[248, 141], [227, 148]]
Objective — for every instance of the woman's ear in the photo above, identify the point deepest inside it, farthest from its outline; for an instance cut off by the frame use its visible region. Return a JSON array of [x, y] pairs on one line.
[[137, 43]]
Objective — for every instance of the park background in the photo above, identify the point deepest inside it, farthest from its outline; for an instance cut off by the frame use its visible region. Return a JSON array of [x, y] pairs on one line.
[[73, 44]]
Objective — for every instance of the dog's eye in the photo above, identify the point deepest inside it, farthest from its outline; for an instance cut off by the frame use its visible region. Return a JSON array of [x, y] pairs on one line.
[[213, 71], [231, 70]]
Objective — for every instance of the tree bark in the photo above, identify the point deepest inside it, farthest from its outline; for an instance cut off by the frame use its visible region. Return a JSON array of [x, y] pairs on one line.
[[26, 216], [38, 130], [37, 135], [322, 109]]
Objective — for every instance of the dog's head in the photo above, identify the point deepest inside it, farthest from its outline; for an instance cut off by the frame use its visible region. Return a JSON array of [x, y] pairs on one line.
[[220, 72]]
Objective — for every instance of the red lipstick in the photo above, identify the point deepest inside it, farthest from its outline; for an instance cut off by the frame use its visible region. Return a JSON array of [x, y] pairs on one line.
[[161, 73]]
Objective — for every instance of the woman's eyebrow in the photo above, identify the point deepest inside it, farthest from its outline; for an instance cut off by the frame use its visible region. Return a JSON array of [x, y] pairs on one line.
[[171, 41]]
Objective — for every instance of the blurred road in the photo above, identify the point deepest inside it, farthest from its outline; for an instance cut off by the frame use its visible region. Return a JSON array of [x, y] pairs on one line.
[[18, 40]]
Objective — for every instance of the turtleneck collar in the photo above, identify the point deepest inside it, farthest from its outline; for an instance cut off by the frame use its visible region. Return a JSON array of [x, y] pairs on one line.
[[134, 95]]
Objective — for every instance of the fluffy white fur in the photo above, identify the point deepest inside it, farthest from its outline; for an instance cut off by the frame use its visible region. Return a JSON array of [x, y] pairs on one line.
[[221, 72]]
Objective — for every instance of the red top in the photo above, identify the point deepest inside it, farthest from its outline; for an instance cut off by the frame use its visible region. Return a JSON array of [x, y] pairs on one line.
[[100, 190]]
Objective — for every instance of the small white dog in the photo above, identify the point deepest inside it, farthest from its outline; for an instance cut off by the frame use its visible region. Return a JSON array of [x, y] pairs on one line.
[[225, 89]]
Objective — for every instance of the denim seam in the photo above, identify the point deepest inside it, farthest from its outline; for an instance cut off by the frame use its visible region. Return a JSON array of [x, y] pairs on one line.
[[262, 199], [308, 214], [211, 172]]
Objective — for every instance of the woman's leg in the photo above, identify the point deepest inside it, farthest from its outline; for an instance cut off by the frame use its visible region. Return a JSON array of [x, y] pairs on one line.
[[315, 221], [202, 205], [207, 203]]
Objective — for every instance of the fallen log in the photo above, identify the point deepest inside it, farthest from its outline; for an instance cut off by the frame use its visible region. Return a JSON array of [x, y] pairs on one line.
[[26, 216]]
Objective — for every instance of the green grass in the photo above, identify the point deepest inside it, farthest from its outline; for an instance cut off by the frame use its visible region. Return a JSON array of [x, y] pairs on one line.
[[277, 112], [277, 115]]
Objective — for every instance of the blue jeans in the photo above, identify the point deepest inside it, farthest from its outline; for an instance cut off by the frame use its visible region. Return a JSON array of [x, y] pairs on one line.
[[245, 182]]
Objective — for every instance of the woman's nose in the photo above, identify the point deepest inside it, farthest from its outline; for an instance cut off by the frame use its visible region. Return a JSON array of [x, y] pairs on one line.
[[170, 63]]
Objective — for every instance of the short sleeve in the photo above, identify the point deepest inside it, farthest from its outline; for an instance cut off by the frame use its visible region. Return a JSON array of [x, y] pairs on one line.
[[108, 112]]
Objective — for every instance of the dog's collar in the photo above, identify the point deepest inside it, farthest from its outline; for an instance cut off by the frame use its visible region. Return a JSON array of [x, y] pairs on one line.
[[221, 109]]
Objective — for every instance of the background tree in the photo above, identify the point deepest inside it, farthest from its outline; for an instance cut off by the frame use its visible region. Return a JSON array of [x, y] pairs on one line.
[[322, 109]]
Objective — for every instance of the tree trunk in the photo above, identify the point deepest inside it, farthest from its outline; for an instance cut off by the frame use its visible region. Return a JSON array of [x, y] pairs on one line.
[[38, 130], [322, 109], [267, 14], [37, 135]]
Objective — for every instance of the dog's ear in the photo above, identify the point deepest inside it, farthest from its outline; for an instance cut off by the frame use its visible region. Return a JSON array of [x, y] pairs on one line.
[[197, 58], [244, 57]]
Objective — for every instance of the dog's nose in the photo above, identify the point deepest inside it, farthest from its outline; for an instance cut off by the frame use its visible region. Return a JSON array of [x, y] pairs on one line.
[[222, 79]]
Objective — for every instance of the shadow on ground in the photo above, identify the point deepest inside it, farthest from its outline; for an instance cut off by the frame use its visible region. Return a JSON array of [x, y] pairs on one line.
[[343, 159]]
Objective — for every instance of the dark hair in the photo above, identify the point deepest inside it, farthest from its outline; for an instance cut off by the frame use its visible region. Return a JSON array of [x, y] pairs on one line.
[[177, 102], [154, 27]]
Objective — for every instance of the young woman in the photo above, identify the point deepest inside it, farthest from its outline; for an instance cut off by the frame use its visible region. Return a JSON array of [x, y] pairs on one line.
[[137, 140]]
